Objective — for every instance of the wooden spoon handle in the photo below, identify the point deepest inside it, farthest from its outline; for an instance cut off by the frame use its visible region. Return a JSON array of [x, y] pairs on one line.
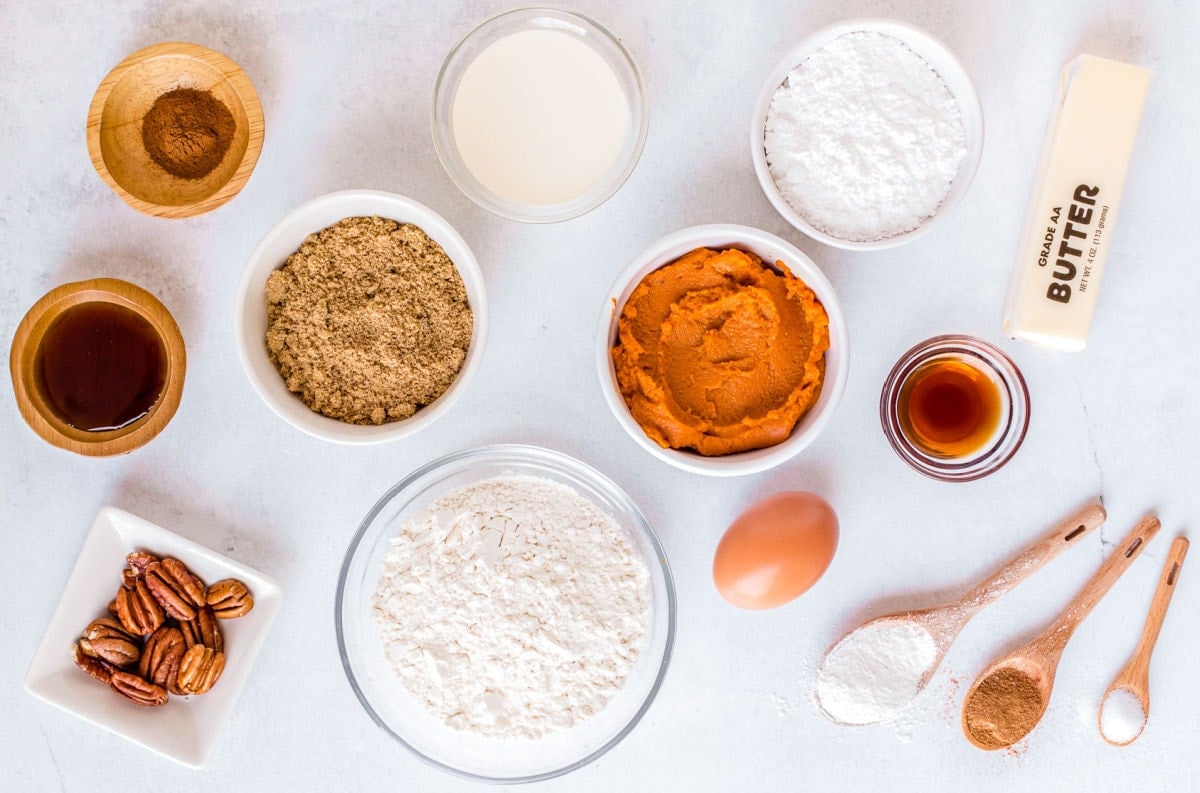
[[1162, 598], [1055, 637], [1062, 536]]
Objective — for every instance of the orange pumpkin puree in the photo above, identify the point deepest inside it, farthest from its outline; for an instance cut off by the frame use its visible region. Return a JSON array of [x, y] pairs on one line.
[[718, 353]]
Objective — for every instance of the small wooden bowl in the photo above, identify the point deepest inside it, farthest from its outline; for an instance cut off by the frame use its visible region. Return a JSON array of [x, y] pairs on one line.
[[33, 403], [114, 129]]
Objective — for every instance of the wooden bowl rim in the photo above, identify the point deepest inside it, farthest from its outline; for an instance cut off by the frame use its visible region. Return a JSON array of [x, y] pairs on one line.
[[28, 338], [238, 80]]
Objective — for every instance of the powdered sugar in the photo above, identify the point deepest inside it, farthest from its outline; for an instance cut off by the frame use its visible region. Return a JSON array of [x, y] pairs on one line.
[[512, 607], [863, 138], [875, 672]]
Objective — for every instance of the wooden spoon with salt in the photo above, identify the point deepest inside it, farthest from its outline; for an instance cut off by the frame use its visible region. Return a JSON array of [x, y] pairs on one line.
[[1134, 677], [1009, 698], [943, 623]]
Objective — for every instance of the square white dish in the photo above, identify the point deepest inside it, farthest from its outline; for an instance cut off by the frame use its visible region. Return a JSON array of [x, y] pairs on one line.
[[186, 729]]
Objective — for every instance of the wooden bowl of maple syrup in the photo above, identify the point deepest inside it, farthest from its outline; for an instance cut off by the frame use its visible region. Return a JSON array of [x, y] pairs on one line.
[[98, 367]]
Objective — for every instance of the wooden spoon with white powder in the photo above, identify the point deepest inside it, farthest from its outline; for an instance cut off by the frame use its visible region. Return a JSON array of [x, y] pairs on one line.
[[876, 670]]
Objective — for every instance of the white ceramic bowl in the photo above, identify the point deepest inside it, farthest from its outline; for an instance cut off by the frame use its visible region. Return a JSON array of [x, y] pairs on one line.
[[770, 249], [403, 716], [186, 729], [250, 313], [519, 20], [943, 62]]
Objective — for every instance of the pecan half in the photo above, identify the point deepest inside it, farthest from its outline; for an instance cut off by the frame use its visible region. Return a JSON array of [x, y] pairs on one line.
[[105, 638], [139, 561], [175, 587], [137, 609], [203, 630], [96, 668], [199, 669], [230, 598], [191, 582], [161, 656], [137, 690], [112, 608]]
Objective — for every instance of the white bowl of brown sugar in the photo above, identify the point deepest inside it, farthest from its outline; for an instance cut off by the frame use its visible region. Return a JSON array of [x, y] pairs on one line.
[[361, 317]]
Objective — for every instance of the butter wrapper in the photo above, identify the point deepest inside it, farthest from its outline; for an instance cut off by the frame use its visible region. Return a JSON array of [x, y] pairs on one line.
[[1068, 230]]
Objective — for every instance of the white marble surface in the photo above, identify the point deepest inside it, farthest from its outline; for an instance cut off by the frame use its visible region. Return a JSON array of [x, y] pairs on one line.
[[346, 90]]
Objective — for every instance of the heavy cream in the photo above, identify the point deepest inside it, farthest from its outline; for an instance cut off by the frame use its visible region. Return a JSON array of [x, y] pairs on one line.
[[539, 117], [1078, 190]]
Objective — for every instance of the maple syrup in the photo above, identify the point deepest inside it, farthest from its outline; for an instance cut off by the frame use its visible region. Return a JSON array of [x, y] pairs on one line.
[[101, 366], [949, 408]]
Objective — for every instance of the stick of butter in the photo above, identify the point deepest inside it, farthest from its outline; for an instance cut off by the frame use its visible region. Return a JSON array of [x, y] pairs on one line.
[[1069, 227]]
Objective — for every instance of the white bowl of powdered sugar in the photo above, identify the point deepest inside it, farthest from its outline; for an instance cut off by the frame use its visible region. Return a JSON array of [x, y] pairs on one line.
[[866, 134], [506, 613]]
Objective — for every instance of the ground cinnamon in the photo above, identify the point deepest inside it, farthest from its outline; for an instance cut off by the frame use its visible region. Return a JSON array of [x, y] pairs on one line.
[[1003, 709], [187, 132]]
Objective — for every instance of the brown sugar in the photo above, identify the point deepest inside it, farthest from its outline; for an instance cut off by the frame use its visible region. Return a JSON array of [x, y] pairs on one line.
[[1003, 709], [368, 321]]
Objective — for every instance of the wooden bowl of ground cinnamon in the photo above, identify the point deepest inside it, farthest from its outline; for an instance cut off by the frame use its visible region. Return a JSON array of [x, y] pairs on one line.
[[175, 129]]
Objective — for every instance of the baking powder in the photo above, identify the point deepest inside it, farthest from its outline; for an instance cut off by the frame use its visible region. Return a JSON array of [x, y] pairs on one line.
[[875, 672], [863, 138], [512, 607]]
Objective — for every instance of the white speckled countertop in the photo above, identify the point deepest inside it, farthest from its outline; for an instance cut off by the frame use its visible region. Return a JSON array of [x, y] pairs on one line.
[[346, 91]]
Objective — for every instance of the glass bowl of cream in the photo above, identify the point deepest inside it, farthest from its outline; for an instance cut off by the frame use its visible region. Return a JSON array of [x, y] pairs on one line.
[[539, 114]]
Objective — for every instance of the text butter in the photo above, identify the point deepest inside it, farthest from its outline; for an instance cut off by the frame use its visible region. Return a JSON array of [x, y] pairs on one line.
[[1069, 228]]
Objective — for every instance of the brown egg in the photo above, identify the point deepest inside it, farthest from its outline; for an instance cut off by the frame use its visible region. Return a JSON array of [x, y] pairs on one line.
[[775, 550]]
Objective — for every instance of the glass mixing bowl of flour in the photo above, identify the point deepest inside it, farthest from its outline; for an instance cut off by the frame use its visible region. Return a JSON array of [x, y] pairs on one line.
[[389, 702]]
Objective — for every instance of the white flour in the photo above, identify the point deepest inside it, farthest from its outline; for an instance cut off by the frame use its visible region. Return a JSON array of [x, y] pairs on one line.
[[863, 138], [512, 607], [875, 672]]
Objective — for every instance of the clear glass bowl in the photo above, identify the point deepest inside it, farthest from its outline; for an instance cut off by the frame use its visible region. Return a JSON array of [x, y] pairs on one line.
[[1014, 408], [518, 20], [407, 720]]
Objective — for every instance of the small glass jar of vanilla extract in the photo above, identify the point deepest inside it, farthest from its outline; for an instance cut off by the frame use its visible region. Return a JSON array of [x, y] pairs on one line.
[[955, 408]]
